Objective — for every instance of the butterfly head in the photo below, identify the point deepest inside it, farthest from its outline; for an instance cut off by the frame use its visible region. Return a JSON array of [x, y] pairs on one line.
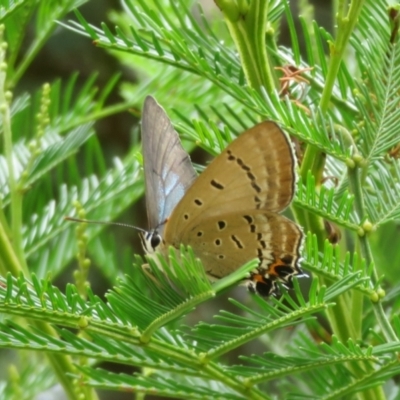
[[151, 241]]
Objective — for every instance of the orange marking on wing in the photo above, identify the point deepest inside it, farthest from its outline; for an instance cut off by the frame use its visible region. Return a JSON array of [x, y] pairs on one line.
[[272, 268], [258, 278]]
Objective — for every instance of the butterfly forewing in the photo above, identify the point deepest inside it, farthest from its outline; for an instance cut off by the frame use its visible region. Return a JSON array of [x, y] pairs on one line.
[[256, 171], [167, 168]]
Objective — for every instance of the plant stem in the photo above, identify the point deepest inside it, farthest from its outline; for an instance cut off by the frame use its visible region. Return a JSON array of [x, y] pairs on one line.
[[366, 253], [39, 41], [12, 254], [209, 368], [247, 25], [16, 196], [174, 314], [9, 261], [255, 333], [62, 365], [384, 323], [314, 159], [346, 23]]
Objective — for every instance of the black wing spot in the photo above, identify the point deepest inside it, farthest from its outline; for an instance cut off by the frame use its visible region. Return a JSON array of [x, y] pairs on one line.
[[237, 241], [199, 234], [217, 242], [256, 187], [221, 256], [287, 259], [242, 164], [217, 185], [198, 202], [265, 288], [257, 200], [186, 216], [284, 272], [248, 218], [221, 225]]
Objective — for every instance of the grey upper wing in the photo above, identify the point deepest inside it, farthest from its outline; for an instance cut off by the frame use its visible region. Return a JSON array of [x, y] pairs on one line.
[[168, 170]]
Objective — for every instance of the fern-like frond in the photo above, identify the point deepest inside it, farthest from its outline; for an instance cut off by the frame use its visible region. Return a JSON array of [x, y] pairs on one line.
[[160, 32], [112, 349], [101, 250], [355, 377], [234, 329], [309, 125], [34, 377], [99, 321], [378, 101], [382, 195], [308, 357], [8, 7], [189, 48], [19, 104], [69, 129], [71, 105], [294, 120], [109, 196], [163, 83], [315, 41], [141, 321], [180, 43], [162, 383], [45, 19], [15, 14], [326, 203], [49, 13], [352, 271], [193, 51], [55, 149], [176, 287]]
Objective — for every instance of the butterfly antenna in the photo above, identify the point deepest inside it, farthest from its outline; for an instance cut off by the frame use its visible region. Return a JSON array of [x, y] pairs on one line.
[[88, 221]]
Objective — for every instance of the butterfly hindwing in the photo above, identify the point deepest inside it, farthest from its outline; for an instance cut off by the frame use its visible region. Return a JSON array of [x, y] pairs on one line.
[[226, 242]]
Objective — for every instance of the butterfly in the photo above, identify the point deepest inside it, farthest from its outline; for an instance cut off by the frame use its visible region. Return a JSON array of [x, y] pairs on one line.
[[229, 214]]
